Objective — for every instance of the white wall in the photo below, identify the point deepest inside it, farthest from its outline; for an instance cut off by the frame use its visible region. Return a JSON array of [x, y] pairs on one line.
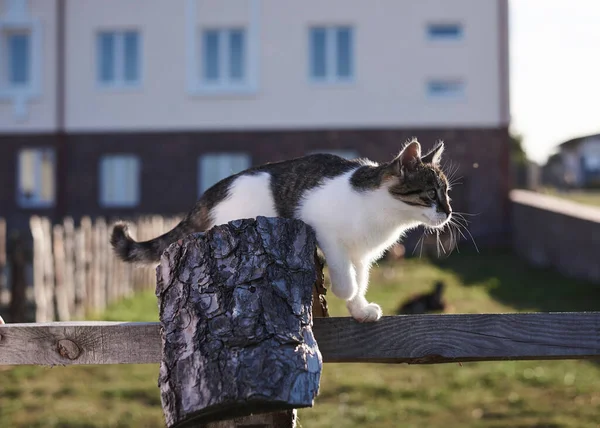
[[392, 55], [35, 114]]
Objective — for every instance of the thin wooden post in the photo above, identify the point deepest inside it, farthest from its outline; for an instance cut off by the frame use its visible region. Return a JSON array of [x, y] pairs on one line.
[[18, 283], [100, 239], [80, 288], [49, 269], [39, 283], [88, 272], [69, 265], [111, 277], [62, 298]]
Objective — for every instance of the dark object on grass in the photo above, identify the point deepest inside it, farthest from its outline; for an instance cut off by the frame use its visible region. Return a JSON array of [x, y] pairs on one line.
[[424, 303], [235, 311]]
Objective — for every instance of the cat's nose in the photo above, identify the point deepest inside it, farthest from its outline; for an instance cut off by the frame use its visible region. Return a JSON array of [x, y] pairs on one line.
[[446, 208]]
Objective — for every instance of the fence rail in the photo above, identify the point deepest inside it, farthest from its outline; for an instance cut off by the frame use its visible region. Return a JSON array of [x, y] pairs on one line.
[[415, 339]]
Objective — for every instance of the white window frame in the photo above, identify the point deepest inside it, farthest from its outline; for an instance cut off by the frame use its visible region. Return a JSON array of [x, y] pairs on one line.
[[103, 199], [451, 96], [119, 82], [444, 39], [17, 19], [206, 157], [36, 201], [331, 77], [196, 85], [224, 81]]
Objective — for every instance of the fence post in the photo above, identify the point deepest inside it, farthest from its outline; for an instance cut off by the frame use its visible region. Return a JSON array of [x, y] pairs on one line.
[[18, 284], [87, 286], [58, 250], [100, 239], [39, 283], [235, 309], [48, 262], [69, 267]]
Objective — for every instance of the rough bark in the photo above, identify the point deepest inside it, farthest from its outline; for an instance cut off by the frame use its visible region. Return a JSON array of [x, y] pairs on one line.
[[235, 311]]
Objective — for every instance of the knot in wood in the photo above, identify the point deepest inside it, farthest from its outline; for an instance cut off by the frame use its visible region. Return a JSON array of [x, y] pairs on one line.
[[68, 349]]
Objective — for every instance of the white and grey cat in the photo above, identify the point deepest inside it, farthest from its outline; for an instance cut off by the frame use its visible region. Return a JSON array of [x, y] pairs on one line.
[[357, 208]]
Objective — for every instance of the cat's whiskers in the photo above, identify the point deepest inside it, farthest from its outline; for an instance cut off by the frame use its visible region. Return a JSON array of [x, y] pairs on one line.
[[460, 222]]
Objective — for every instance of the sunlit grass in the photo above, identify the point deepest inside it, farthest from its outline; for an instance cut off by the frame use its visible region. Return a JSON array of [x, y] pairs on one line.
[[492, 394]]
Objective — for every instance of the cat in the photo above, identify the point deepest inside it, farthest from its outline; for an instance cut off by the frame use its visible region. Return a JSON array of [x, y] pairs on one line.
[[426, 302], [357, 208]]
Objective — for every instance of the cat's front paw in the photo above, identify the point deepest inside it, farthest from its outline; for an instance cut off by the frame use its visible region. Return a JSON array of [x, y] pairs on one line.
[[370, 312]]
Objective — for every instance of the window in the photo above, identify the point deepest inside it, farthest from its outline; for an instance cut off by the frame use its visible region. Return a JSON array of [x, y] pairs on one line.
[[331, 54], [214, 167], [119, 181], [19, 58], [344, 153], [447, 31], [442, 89], [119, 58], [36, 177], [224, 58]]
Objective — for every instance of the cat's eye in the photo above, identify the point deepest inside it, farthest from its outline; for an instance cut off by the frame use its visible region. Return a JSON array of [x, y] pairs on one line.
[[431, 194]]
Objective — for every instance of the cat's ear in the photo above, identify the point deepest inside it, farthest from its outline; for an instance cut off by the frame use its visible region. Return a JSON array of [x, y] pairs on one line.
[[435, 155], [409, 157]]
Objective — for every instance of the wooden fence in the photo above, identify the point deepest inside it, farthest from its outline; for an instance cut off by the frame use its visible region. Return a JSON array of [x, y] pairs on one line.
[[413, 339], [74, 270]]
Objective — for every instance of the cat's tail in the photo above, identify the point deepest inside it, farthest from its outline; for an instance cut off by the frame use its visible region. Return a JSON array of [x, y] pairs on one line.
[[149, 252]]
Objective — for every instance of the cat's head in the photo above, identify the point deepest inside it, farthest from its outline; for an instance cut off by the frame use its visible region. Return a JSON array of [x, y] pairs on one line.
[[419, 183]]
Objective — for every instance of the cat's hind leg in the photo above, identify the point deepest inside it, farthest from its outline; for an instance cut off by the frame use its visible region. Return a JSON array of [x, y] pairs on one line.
[[359, 307]]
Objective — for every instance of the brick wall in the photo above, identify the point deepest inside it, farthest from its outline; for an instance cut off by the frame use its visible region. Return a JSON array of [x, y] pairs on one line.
[[169, 167], [555, 233]]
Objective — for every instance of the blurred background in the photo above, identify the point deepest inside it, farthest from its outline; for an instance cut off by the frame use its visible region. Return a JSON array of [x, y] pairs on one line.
[[119, 109]]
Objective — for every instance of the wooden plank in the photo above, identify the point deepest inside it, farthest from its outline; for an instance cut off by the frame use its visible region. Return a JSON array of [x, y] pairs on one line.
[[48, 257], [62, 297], [85, 342], [42, 305], [69, 278], [413, 339]]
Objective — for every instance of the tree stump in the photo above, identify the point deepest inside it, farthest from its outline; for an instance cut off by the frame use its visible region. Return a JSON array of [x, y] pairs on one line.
[[236, 316]]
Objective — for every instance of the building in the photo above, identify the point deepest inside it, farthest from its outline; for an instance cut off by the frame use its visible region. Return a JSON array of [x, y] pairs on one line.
[[578, 162], [122, 107]]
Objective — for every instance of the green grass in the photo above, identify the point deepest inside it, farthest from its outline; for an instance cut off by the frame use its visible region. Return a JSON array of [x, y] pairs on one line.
[[588, 197], [491, 394]]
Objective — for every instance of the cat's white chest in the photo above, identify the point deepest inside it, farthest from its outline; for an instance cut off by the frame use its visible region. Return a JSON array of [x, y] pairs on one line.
[[365, 223]]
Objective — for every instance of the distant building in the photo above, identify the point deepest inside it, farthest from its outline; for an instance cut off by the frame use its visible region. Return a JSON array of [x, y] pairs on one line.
[[121, 107], [578, 161]]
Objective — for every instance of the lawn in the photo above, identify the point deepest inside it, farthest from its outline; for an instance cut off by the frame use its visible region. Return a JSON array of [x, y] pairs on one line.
[[491, 394], [588, 197]]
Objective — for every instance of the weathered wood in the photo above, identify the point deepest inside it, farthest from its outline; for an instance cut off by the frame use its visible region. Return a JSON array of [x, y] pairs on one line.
[[48, 267], [101, 239], [98, 343], [235, 310], [413, 339], [87, 287], [39, 284], [62, 298], [18, 282], [80, 277], [69, 265]]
